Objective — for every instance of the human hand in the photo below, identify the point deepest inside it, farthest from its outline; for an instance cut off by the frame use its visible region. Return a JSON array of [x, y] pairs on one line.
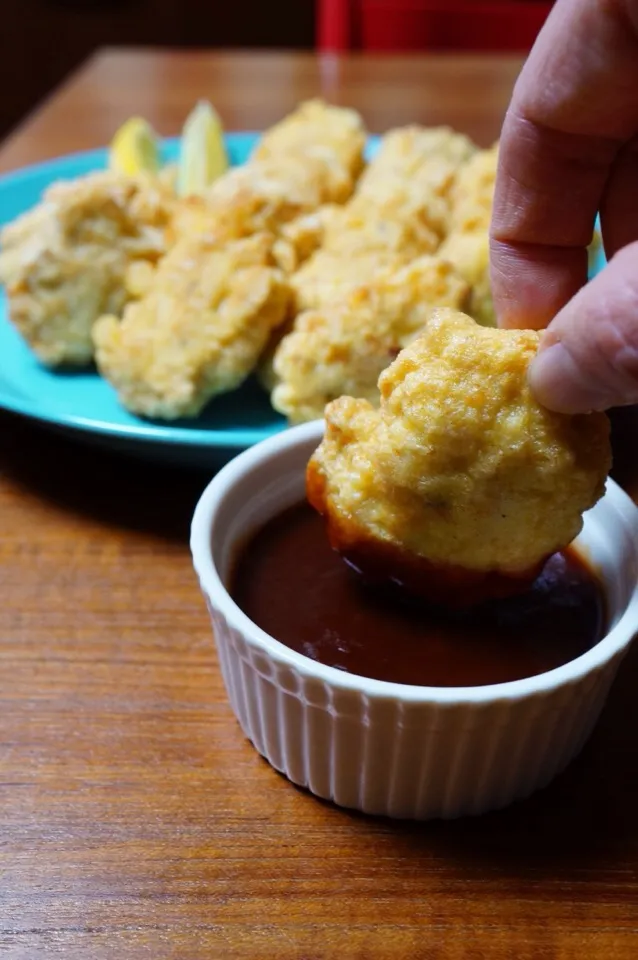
[[568, 150]]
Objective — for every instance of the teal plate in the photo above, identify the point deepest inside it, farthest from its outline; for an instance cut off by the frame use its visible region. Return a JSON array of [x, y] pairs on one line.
[[83, 403]]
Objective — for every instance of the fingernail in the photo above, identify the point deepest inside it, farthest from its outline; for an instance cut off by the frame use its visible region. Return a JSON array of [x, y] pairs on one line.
[[559, 384]]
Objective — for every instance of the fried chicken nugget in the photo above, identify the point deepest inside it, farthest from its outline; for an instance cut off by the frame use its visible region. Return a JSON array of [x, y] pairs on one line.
[[64, 263], [467, 244], [357, 228], [328, 278], [469, 254], [342, 349], [461, 485], [414, 172], [357, 243], [398, 213], [413, 169], [472, 194], [260, 196], [298, 239], [199, 330], [361, 226], [309, 159], [317, 130]]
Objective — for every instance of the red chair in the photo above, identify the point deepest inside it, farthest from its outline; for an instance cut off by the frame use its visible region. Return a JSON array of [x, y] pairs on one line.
[[401, 25]]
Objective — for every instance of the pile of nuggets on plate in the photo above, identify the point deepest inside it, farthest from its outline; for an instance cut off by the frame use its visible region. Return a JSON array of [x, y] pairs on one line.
[[361, 287], [304, 264]]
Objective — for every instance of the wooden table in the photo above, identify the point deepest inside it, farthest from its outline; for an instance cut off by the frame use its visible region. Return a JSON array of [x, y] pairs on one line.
[[136, 821]]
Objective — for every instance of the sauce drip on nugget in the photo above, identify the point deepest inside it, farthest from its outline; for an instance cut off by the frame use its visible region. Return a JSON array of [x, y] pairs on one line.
[[461, 485]]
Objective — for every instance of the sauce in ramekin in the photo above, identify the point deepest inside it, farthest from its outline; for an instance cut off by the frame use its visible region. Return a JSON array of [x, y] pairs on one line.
[[289, 581]]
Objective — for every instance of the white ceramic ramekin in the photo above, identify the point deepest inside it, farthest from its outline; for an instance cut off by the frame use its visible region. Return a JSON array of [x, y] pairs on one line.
[[387, 748]]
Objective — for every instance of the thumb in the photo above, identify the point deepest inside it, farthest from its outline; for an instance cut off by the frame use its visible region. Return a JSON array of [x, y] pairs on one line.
[[588, 357]]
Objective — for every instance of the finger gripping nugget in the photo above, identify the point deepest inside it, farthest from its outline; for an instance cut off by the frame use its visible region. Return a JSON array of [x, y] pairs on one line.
[[64, 263], [461, 484], [342, 349], [198, 331]]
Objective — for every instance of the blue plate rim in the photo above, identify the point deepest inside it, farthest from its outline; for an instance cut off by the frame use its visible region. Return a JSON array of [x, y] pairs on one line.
[[233, 438], [98, 154]]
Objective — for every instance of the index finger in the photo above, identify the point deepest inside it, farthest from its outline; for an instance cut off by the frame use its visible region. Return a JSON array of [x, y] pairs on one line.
[[573, 108]]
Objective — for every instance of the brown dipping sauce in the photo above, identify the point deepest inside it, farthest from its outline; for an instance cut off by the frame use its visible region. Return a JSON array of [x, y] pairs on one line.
[[290, 582]]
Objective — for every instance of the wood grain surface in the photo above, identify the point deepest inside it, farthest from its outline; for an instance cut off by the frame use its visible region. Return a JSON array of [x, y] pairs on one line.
[[136, 821]]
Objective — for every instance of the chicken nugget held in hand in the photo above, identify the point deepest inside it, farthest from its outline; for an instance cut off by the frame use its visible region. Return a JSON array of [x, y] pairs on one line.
[[461, 485]]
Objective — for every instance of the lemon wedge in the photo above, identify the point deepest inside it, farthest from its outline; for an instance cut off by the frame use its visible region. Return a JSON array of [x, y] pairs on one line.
[[134, 148], [203, 155]]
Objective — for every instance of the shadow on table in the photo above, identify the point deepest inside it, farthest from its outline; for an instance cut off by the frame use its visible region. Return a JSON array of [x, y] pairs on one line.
[[110, 488], [583, 821], [580, 822]]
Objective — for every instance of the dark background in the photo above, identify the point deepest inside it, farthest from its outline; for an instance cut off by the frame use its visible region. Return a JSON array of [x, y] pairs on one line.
[[43, 40]]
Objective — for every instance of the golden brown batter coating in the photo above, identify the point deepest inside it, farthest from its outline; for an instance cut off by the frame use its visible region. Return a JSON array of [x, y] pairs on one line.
[[467, 244], [317, 130], [469, 254], [358, 241], [64, 263], [328, 278], [198, 331], [414, 173], [342, 349], [398, 212], [298, 239], [472, 194], [260, 196], [309, 160], [460, 468]]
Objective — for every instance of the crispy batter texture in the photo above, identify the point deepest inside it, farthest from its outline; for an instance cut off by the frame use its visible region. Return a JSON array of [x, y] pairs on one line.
[[64, 262], [342, 349], [469, 254], [362, 226], [414, 172], [311, 158], [398, 212], [261, 196], [460, 465], [328, 278], [199, 330], [467, 244], [358, 241], [317, 130], [301, 237], [411, 150], [472, 193]]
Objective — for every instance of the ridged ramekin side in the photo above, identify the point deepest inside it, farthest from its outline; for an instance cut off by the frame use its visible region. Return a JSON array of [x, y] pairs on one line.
[[416, 759]]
